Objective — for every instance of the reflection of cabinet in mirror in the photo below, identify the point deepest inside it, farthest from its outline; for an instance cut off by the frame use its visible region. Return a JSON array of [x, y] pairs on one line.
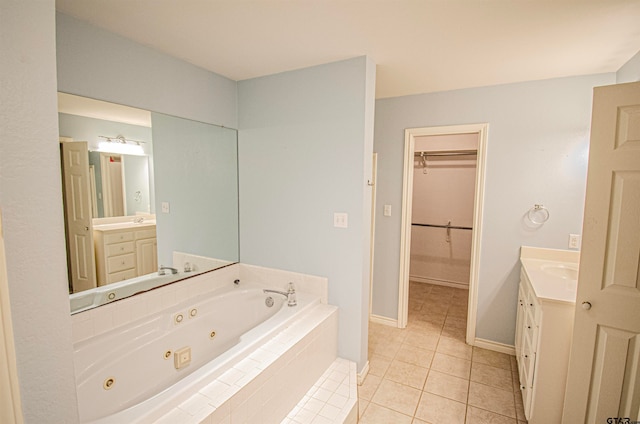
[[123, 253]]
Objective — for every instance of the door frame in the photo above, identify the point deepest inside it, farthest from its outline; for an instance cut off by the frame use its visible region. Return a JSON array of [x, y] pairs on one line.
[[372, 184], [107, 186], [407, 202], [10, 401]]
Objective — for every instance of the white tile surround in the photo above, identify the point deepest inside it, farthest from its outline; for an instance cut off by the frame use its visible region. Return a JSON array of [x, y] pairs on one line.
[[269, 385]]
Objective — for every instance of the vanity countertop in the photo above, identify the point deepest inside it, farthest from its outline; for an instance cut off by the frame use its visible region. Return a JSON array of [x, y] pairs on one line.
[[124, 225], [553, 273]]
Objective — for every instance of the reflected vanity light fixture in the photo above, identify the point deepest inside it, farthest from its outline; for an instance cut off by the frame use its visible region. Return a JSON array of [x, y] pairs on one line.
[[120, 145]]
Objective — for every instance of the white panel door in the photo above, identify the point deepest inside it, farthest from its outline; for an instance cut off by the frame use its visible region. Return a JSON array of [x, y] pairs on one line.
[[75, 163], [604, 368]]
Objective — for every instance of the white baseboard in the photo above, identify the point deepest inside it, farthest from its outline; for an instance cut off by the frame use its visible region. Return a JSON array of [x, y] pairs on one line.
[[495, 346], [363, 374], [457, 285], [378, 319]]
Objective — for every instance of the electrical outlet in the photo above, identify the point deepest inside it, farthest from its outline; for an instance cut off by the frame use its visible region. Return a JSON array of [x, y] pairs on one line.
[[165, 207], [574, 241], [340, 220], [387, 210]]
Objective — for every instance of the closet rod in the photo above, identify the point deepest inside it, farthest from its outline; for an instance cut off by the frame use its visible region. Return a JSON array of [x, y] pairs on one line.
[[446, 153], [443, 226]]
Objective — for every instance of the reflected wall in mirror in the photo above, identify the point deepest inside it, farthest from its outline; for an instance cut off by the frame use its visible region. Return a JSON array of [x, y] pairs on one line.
[[120, 184], [186, 176]]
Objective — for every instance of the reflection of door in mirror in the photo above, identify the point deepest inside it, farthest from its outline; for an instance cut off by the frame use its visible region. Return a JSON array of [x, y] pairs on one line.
[[77, 211], [112, 182]]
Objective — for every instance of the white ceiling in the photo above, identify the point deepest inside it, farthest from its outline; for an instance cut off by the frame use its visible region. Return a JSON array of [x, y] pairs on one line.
[[418, 46]]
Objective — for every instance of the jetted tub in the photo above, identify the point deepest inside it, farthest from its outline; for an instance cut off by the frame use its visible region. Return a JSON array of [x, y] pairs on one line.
[[131, 372]]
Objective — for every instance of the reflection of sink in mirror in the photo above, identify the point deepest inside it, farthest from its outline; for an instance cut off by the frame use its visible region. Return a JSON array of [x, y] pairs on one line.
[[565, 272], [129, 224]]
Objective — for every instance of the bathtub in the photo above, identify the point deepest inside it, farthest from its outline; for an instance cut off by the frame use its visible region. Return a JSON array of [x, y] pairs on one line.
[[129, 375]]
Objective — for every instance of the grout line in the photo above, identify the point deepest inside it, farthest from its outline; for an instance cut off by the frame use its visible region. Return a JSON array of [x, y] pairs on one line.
[[450, 302]]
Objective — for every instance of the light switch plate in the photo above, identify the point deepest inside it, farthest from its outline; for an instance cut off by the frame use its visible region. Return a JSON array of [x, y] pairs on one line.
[[387, 210], [340, 220]]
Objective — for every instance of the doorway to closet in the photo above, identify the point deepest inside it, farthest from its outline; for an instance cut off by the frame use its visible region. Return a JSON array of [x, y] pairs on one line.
[[441, 221]]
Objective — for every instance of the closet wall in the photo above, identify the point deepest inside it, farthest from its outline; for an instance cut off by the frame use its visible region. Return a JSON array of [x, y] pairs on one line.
[[443, 192]]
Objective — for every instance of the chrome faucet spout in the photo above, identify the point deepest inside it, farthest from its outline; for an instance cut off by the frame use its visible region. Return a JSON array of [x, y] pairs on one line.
[[265, 291], [289, 294], [162, 270]]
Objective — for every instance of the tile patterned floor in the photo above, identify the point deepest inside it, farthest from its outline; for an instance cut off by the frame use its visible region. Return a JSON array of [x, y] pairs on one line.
[[427, 374]]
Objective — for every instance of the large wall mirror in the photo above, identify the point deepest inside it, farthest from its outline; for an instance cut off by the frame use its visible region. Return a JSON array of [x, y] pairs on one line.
[[149, 198]]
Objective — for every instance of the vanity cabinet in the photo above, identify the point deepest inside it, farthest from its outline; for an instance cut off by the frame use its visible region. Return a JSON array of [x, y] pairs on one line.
[[125, 253], [544, 329]]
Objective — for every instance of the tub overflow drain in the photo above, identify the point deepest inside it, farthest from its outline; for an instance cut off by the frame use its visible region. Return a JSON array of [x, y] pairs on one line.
[[269, 301], [108, 383]]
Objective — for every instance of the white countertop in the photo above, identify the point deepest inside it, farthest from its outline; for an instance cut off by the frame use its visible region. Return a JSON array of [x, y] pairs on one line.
[[124, 225], [549, 271]]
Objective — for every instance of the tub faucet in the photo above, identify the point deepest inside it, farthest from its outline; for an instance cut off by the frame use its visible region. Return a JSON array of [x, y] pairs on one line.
[[162, 270], [289, 294]]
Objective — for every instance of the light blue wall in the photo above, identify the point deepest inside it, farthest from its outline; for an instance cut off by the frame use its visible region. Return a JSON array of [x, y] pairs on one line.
[[32, 218], [630, 71], [99, 64], [305, 147], [537, 154]]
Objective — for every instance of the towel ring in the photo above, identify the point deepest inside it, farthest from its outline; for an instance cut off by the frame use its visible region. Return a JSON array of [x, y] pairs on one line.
[[538, 214]]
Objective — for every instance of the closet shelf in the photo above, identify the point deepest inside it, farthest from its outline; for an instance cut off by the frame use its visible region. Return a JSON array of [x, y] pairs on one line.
[[424, 153], [448, 226]]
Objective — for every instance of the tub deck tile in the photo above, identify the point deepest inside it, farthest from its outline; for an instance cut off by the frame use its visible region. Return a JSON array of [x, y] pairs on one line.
[[331, 399]]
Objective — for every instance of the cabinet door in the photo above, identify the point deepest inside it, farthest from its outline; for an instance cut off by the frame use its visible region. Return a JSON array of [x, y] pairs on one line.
[[520, 319], [147, 252]]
